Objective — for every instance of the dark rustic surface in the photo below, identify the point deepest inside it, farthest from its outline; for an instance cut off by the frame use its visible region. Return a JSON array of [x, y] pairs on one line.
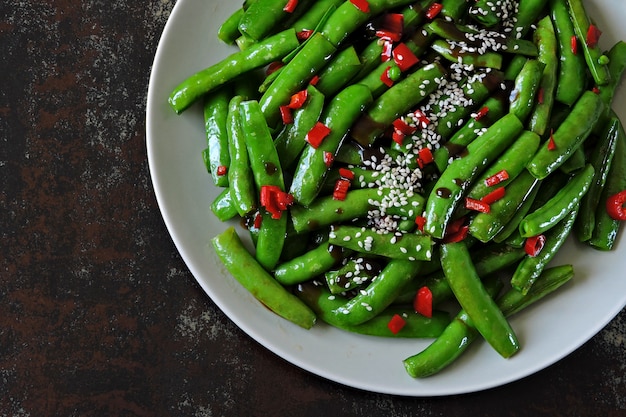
[[98, 313]]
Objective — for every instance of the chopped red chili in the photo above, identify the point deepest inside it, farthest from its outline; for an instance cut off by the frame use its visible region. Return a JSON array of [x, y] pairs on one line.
[[423, 302], [481, 113], [304, 34], [434, 10], [273, 67], [290, 6], [329, 158], [404, 127], [275, 200], [404, 57], [534, 245], [615, 206], [391, 27], [384, 77], [593, 35], [420, 221], [396, 323], [421, 117], [222, 170], [425, 155], [477, 205], [494, 196], [315, 80], [596, 89], [286, 115], [258, 220], [341, 189], [317, 134], [540, 95], [386, 53], [456, 231], [362, 5], [497, 178], [298, 99], [551, 142], [346, 173], [398, 136], [574, 44]]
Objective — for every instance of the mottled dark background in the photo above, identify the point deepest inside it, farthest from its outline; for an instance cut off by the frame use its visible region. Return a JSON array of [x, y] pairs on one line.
[[98, 313]]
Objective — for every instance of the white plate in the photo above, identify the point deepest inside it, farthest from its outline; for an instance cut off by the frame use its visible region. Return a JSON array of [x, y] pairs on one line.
[[548, 331]]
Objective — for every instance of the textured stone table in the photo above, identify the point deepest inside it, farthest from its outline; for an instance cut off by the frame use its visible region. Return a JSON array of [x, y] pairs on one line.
[[98, 313]]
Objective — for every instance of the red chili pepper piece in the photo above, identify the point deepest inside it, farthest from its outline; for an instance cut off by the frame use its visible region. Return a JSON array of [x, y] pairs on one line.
[[273, 67], [275, 200], [304, 34], [595, 89], [329, 158], [387, 51], [593, 35], [341, 189], [286, 114], [425, 155], [404, 57], [551, 142], [346, 173], [423, 302], [258, 220], [398, 136], [477, 205], [494, 196], [497, 178], [423, 120], [420, 221], [222, 170], [315, 80], [404, 127], [457, 236], [362, 5], [615, 206], [481, 113], [298, 99], [574, 44], [290, 6], [391, 27], [317, 134], [384, 77], [434, 10], [396, 323], [534, 244], [540, 95]]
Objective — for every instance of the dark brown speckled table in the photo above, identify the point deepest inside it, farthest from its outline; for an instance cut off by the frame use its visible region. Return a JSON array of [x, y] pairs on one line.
[[98, 313]]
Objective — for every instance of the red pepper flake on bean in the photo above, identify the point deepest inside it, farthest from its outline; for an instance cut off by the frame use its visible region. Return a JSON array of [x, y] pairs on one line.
[[385, 78], [341, 189], [574, 44], [434, 10], [497, 178], [396, 323], [420, 221], [423, 302], [275, 200], [273, 67], [290, 7], [534, 245], [286, 114], [317, 134], [615, 206], [387, 51], [304, 34], [222, 170], [315, 80], [481, 113], [362, 5], [329, 158], [551, 142], [593, 36], [476, 205], [494, 196], [298, 99], [456, 231], [404, 57], [391, 27]]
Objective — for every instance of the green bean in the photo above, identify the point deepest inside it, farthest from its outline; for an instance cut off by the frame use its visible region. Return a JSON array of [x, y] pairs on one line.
[[483, 12], [315, 14], [545, 38], [485, 226], [617, 65], [606, 229], [395, 102], [295, 75], [215, 114], [559, 206], [355, 272], [266, 171], [228, 32], [311, 264], [257, 56], [576, 161], [378, 295], [338, 72], [457, 178], [455, 54], [530, 268], [571, 77], [570, 135], [601, 160], [223, 206], [454, 9], [289, 142], [527, 83], [512, 227], [241, 184], [514, 67], [245, 269], [592, 53], [391, 245], [338, 116], [320, 300], [262, 18], [527, 13], [475, 300]]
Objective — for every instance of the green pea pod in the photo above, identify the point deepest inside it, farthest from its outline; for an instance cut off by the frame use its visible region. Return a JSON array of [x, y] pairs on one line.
[[527, 82], [289, 142], [530, 268], [454, 9], [395, 102], [240, 178], [617, 65], [257, 56], [311, 264], [223, 206], [601, 160], [512, 227], [314, 14], [569, 136], [527, 13], [559, 206], [338, 72], [592, 52], [266, 171], [262, 17], [572, 66], [228, 31], [215, 114], [456, 54], [320, 300], [338, 117], [295, 75], [545, 38], [458, 177], [251, 275]]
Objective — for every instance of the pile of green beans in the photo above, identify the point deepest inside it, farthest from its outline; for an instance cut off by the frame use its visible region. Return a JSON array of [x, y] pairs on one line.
[[459, 175]]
